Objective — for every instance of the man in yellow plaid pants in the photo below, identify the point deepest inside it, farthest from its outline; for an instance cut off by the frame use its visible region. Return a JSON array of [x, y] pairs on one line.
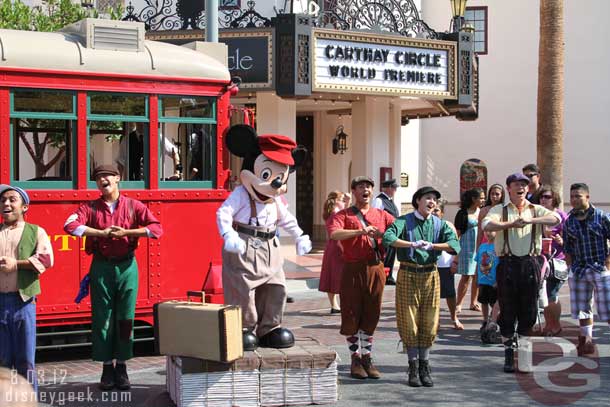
[[419, 237]]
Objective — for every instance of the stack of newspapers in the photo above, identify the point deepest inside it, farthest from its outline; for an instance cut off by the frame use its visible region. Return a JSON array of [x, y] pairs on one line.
[[302, 375]]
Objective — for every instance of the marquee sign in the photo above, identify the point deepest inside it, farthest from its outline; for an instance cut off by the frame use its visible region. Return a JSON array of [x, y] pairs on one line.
[[250, 56], [380, 64]]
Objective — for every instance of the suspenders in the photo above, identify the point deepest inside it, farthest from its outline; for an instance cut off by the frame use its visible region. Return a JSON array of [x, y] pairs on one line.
[[506, 249], [253, 211]]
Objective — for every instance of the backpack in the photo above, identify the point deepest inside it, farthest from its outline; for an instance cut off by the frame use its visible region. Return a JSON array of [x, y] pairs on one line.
[[412, 224], [490, 333]]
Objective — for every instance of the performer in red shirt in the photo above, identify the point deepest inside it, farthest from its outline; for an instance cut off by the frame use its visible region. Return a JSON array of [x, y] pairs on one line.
[[112, 224], [360, 228]]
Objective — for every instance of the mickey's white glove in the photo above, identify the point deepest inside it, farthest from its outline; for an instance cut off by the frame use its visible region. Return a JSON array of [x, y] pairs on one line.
[[303, 245], [233, 243]]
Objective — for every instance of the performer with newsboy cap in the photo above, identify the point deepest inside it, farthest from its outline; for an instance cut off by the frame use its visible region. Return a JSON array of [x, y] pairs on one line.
[[359, 228], [419, 237], [112, 224], [518, 245]]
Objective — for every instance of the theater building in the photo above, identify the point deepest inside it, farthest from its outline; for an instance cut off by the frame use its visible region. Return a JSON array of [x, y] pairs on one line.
[[353, 82]]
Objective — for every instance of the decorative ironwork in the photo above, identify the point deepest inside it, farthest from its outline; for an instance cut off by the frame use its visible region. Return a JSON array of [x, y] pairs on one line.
[[246, 18], [160, 15], [465, 72], [395, 16], [303, 58]]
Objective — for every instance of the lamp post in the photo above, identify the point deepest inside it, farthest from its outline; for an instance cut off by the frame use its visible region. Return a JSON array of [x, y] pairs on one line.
[[458, 7]]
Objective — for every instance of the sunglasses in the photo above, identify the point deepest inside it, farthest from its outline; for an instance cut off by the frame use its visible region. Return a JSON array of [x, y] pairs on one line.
[[531, 175], [546, 196]]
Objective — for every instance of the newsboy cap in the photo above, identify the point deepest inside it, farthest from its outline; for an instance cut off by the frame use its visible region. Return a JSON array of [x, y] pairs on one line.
[[518, 176], [423, 191], [360, 179], [106, 169]]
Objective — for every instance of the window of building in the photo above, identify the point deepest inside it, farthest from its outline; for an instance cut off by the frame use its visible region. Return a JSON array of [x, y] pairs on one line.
[[43, 126], [477, 16], [187, 141], [118, 130]]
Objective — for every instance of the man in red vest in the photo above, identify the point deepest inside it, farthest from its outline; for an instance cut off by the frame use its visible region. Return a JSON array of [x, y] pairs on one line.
[[113, 223]]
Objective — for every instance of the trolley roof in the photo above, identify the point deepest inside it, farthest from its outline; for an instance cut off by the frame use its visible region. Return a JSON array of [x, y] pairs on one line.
[[68, 52]]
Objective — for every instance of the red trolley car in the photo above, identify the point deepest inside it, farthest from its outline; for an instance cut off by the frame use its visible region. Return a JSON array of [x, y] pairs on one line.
[[98, 93]]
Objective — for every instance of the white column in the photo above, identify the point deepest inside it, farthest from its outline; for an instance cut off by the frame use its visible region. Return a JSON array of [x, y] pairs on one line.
[[370, 142], [395, 149], [278, 116], [410, 153]]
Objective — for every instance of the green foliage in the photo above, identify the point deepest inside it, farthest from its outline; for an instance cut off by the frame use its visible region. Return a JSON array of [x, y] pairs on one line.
[[51, 16]]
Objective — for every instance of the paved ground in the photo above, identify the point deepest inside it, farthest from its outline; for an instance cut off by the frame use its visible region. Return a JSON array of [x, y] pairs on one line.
[[465, 372]]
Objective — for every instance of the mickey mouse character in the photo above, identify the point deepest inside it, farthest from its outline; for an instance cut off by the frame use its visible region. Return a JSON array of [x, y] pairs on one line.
[[252, 274]]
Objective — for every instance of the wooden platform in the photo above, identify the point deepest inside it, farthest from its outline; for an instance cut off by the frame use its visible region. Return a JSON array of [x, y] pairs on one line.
[[302, 375]]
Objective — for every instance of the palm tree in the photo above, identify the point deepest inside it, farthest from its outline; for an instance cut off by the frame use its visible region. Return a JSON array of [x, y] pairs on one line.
[[549, 135]]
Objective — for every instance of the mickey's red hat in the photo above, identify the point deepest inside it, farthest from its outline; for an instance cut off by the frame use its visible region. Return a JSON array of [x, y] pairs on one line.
[[277, 148]]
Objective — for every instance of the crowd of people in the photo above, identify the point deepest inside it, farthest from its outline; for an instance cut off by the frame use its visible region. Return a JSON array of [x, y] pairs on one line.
[[513, 246]]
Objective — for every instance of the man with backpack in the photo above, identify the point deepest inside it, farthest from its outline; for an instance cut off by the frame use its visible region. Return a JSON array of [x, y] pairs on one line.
[[360, 228], [518, 246], [113, 223], [419, 238]]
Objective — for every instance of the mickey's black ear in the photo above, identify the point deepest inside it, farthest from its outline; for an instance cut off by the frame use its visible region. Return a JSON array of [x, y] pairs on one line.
[[241, 140], [299, 155]]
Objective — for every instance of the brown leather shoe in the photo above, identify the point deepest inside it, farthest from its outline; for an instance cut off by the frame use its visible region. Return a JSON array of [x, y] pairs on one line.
[[584, 346], [357, 370], [371, 370]]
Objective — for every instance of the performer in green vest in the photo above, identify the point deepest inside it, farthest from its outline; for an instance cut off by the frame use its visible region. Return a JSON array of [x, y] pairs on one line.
[[419, 237], [25, 253]]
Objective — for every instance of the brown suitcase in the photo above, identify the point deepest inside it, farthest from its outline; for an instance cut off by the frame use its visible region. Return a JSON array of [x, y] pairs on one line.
[[198, 330]]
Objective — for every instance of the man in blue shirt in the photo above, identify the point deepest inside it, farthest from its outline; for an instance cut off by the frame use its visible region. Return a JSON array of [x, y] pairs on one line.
[[586, 233]]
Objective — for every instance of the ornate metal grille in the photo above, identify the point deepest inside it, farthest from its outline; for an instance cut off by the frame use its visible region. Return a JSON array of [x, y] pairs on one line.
[[160, 15], [395, 16], [465, 72], [303, 57]]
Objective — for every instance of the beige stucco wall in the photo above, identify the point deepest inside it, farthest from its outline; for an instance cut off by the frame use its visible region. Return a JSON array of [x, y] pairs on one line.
[[504, 136]]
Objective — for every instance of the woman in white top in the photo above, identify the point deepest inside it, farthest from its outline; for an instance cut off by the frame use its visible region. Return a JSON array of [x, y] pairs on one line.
[[446, 271]]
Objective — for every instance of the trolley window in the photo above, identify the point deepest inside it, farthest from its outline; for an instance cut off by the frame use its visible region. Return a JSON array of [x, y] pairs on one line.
[[187, 137], [43, 126], [118, 134]]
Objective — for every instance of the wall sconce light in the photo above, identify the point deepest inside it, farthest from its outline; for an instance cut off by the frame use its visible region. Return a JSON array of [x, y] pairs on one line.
[[340, 141]]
